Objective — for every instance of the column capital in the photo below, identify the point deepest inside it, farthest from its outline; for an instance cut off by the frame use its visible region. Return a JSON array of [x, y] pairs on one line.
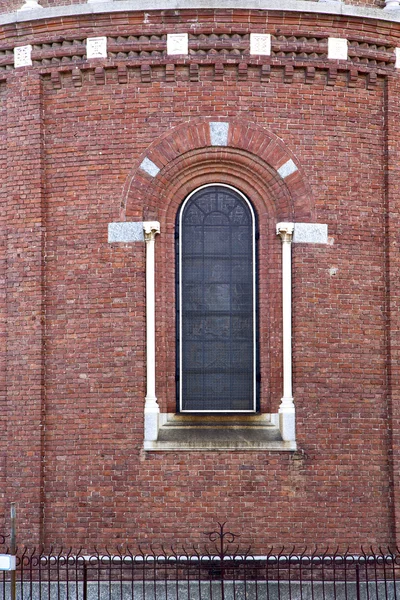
[[150, 228], [285, 231]]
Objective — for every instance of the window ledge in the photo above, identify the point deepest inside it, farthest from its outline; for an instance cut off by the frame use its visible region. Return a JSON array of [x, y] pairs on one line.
[[223, 432]]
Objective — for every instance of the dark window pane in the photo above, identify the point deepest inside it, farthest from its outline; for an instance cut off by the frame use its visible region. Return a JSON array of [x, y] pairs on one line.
[[216, 309]]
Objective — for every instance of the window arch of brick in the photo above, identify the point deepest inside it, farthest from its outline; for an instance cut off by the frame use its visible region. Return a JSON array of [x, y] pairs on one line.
[[184, 154]]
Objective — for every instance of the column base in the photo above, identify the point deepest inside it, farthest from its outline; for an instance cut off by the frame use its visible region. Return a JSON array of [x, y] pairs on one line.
[[287, 420], [151, 420]]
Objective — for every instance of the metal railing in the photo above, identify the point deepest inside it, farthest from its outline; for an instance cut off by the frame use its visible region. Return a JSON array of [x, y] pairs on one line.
[[217, 573]]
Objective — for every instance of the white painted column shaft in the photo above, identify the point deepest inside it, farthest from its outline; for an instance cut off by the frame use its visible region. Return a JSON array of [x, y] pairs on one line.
[[151, 408], [287, 315], [287, 409]]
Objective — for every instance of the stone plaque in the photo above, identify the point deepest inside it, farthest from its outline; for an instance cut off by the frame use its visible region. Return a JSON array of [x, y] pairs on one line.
[[177, 43], [22, 56], [96, 47], [260, 43], [287, 169], [149, 167], [337, 48], [397, 63], [219, 133], [125, 232], [310, 233]]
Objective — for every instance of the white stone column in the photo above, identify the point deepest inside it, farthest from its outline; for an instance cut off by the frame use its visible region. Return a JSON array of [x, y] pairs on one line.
[[151, 408], [287, 423]]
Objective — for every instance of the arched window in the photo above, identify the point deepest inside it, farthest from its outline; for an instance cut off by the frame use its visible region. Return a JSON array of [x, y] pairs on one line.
[[216, 302]]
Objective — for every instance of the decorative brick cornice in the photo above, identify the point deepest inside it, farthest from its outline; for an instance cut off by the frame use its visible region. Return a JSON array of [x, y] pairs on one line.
[[145, 73], [207, 48]]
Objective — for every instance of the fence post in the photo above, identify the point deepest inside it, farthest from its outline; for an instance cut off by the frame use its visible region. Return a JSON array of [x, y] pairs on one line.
[[85, 591], [358, 582], [13, 547]]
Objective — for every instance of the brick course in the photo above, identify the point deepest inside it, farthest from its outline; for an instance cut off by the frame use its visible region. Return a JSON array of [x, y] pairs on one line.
[[8, 6]]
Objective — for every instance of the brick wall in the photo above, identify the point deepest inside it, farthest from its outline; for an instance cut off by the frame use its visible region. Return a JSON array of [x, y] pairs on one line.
[[73, 305]]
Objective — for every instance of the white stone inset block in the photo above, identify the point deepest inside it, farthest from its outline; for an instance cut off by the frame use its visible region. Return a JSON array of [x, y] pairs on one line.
[[177, 43], [287, 169], [392, 5], [151, 425], [310, 233], [219, 133], [7, 562], [397, 63], [337, 49], [149, 167], [23, 56], [30, 5], [96, 47], [125, 232], [260, 43], [287, 424]]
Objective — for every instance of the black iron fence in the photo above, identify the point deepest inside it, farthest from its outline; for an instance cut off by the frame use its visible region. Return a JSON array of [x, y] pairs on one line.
[[217, 573]]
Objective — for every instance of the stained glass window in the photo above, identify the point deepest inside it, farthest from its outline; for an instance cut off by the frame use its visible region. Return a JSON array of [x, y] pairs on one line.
[[216, 313]]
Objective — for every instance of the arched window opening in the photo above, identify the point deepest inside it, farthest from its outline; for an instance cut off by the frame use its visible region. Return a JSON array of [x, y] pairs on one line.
[[216, 302]]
